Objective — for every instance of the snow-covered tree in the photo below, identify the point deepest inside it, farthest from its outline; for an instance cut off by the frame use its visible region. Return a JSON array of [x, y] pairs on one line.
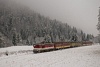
[[98, 25], [14, 40]]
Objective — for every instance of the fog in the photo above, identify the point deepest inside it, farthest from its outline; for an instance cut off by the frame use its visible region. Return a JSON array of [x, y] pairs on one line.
[[82, 14]]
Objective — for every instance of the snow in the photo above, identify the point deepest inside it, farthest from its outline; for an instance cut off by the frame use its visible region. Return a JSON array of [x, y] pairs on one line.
[[15, 50], [86, 56]]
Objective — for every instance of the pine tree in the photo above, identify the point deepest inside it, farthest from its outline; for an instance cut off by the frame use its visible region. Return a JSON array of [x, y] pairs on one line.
[[14, 40], [1, 42], [87, 38], [18, 38], [27, 42], [23, 34], [98, 25]]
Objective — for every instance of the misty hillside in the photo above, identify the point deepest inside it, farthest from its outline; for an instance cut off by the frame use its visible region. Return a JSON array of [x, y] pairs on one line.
[[21, 25]]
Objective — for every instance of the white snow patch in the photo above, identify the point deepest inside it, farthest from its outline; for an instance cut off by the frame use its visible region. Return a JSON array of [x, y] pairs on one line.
[[15, 50]]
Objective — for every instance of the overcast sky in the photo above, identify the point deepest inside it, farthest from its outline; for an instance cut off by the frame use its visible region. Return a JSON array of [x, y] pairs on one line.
[[82, 14]]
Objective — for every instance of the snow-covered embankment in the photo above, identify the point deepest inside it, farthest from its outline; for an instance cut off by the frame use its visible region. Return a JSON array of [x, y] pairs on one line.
[[15, 50]]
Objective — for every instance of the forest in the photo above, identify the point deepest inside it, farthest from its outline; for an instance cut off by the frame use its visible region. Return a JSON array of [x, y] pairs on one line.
[[19, 25]]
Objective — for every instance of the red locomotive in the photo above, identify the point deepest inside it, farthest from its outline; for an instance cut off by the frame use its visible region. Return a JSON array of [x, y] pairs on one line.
[[43, 47]]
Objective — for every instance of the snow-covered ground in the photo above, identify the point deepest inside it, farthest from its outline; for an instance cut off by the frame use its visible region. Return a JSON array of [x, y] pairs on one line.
[[15, 50], [86, 56]]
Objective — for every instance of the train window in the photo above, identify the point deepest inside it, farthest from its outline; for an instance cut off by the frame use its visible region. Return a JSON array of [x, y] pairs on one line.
[[43, 46]]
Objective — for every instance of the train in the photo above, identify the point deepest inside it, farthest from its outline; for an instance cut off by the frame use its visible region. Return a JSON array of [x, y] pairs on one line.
[[46, 46]]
